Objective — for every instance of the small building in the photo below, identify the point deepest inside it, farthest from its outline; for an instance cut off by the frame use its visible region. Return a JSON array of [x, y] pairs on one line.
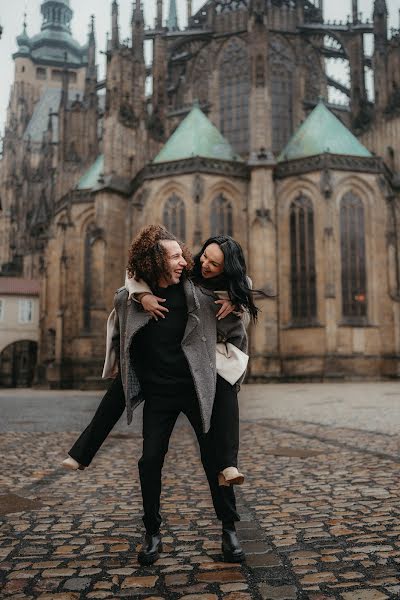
[[19, 330]]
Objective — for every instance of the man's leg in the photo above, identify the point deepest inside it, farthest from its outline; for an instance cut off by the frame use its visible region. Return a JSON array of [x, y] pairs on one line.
[[159, 418], [223, 497], [108, 413]]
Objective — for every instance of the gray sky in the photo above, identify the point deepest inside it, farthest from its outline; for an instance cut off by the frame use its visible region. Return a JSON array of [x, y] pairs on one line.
[[11, 18]]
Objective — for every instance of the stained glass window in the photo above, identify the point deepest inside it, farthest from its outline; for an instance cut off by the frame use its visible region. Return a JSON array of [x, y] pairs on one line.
[[281, 75], [352, 243], [234, 91], [221, 218], [302, 261], [174, 216]]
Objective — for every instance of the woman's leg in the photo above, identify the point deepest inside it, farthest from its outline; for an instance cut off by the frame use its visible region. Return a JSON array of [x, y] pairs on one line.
[[224, 431], [108, 413]]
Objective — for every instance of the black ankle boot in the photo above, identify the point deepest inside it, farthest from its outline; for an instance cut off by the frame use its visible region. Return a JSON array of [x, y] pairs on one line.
[[151, 548], [231, 548]]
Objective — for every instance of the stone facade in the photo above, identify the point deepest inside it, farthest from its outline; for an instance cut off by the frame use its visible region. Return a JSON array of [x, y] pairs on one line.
[[82, 182]]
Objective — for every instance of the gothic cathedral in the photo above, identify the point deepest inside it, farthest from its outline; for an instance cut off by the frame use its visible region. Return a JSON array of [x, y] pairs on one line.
[[228, 130]]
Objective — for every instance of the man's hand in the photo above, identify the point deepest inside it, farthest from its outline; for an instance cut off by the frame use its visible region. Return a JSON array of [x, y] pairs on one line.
[[226, 308], [151, 304]]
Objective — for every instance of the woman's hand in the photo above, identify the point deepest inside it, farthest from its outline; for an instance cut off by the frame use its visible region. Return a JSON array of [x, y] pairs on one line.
[[151, 304], [226, 308]]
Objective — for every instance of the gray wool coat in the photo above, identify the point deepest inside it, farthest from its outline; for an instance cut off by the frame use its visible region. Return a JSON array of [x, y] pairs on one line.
[[198, 344]]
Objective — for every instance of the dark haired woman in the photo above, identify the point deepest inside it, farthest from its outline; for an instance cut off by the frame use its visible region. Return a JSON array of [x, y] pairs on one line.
[[220, 268]]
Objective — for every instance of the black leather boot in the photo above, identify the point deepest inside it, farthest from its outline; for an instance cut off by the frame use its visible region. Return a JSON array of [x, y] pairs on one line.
[[231, 548], [151, 548]]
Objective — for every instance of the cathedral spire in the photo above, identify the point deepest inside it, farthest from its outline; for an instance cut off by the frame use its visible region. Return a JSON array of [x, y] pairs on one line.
[[91, 45], [114, 25], [138, 31], [91, 73], [354, 5], [380, 8], [159, 18], [172, 21]]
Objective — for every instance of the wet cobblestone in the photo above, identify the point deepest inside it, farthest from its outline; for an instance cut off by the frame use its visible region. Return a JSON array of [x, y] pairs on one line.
[[320, 518]]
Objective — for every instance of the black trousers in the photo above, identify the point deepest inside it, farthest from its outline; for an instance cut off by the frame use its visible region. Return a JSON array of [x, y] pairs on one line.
[[224, 431], [223, 434], [106, 416], [159, 417]]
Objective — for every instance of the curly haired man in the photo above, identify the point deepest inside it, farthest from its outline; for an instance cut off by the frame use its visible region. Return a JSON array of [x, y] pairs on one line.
[[170, 365]]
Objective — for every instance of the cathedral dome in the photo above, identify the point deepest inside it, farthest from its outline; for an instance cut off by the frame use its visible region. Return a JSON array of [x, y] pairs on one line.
[[24, 42], [54, 43]]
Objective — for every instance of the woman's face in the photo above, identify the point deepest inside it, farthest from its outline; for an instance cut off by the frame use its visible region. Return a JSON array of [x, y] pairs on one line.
[[212, 261]]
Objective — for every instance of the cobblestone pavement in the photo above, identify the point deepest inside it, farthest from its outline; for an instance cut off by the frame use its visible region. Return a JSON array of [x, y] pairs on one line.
[[320, 506]]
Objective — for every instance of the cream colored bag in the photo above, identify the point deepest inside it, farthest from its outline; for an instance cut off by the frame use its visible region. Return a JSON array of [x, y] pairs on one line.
[[231, 362]]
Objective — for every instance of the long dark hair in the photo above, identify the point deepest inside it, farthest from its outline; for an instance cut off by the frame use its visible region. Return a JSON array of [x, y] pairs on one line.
[[234, 273]]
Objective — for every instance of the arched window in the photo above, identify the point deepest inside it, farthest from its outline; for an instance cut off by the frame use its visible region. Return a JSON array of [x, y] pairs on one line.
[[200, 75], [174, 216], [302, 261], [353, 260], [234, 91], [221, 217], [93, 285], [281, 76]]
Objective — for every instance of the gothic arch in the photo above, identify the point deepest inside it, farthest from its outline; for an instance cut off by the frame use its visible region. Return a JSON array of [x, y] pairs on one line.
[[234, 92], [290, 189], [93, 271], [174, 216], [221, 215], [353, 258], [303, 285]]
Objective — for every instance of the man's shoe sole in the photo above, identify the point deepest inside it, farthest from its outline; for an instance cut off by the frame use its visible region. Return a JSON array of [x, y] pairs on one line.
[[149, 559]]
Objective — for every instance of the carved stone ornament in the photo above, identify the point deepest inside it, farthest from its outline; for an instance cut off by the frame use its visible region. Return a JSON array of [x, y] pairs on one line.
[[339, 162], [198, 188], [127, 116], [326, 183]]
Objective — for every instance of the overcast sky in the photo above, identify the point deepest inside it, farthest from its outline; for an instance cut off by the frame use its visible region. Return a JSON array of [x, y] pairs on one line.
[[12, 11]]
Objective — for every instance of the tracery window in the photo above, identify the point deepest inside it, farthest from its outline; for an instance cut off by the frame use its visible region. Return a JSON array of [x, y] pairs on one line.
[[93, 265], [174, 216], [302, 261], [281, 64], [234, 91], [353, 258], [230, 5], [200, 78], [221, 217]]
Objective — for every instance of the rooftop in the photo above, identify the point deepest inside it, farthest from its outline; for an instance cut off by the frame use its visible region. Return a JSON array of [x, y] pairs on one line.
[[91, 177], [196, 136], [322, 132], [18, 286]]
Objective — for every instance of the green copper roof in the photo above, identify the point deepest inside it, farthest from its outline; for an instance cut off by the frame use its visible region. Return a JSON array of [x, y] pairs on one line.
[[321, 133], [91, 177], [196, 136]]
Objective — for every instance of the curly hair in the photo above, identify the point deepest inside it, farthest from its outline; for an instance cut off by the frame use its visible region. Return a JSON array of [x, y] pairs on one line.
[[148, 257]]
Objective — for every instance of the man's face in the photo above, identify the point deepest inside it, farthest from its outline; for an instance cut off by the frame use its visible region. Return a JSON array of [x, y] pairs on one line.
[[175, 261]]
